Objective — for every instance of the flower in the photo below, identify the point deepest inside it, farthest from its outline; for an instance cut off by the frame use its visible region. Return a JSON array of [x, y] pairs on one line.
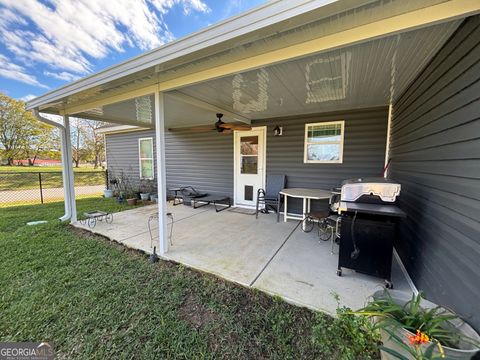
[[419, 338]]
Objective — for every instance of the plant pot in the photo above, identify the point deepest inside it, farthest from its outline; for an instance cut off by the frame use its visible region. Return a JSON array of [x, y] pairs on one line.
[[465, 351], [132, 201], [107, 193], [144, 196], [154, 198]]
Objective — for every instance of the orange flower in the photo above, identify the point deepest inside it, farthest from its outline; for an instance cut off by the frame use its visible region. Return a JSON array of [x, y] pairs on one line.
[[418, 339]]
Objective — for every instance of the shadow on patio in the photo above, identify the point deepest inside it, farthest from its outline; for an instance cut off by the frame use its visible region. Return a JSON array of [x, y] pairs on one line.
[[278, 258]]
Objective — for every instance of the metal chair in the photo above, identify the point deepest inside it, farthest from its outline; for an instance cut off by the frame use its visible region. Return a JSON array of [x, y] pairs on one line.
[[154, 218], [270, 197], [334, 220], [319, 218]]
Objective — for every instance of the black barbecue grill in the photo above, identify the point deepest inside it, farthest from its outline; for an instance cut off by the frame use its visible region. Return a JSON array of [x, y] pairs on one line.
[[369, 217]]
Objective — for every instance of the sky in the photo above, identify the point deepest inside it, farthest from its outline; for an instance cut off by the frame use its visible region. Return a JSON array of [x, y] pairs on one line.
[[48, 43]]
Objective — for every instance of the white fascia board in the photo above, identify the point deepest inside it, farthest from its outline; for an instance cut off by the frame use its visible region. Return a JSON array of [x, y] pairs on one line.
[[249, 21], [120, 129]]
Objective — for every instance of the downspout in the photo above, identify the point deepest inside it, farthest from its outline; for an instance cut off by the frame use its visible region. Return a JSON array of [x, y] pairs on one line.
[[65, 176]]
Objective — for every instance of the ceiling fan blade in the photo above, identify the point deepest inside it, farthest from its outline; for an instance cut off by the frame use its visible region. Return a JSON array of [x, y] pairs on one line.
[[226, 132], [236, 127], [193, 129]]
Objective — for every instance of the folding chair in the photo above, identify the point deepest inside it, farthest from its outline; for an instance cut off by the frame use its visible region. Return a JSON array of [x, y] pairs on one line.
[[270, 197]]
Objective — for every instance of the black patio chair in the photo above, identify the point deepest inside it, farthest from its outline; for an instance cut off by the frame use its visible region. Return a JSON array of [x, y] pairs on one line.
[[270, 197], [188, 194]]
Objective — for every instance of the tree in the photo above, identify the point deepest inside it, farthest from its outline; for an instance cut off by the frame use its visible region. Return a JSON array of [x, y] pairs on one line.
[[87, 145], [17, 126], [77, 133], [94, 142], [43, 138], [21, 134]]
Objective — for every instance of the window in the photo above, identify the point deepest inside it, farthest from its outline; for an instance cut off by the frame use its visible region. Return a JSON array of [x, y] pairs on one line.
[[324, 142], [145, 153], [249, 154]]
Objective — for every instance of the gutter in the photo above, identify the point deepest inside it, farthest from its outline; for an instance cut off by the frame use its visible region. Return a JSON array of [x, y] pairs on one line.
[[67, 169]]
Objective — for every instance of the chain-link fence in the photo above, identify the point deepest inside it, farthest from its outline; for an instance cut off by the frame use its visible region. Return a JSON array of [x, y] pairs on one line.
[[18, 188]]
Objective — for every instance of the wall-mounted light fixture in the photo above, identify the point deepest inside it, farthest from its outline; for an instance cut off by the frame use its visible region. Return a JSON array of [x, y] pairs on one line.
[[278, 130]]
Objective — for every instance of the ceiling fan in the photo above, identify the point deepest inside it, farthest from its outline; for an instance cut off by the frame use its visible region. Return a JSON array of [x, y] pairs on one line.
[[219, 126]]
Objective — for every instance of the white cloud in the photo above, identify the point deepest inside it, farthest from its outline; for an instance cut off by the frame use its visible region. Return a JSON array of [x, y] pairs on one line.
[[196, 5], [12, 71], [72, 32], [28, 97], [66, 76]]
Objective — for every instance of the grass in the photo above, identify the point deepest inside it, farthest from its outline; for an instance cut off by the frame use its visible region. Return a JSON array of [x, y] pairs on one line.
[[26, 177], [22, 169], [95, 299]]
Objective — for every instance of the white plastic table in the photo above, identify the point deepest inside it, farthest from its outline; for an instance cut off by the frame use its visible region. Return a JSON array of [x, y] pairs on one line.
[[307, 195]]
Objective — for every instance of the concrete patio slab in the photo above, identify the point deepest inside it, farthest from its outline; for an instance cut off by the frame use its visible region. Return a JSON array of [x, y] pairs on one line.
[[234, 246], [304, 272], [278, 258]]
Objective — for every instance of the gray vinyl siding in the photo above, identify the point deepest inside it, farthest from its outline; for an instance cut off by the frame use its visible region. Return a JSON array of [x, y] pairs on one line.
[[202, 160], [363, 151], [122, 154], [435, 151], [205, 160]]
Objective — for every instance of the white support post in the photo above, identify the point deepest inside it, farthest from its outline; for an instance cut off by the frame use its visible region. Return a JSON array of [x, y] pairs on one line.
[[66, 192], [67, 171], [161, 178]]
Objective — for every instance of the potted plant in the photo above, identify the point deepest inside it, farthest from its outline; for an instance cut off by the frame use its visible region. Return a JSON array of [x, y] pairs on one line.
[[146, 189], [130, 195], [109, 192], [125, 190], [131, 199], [144, 196], [414, 328]]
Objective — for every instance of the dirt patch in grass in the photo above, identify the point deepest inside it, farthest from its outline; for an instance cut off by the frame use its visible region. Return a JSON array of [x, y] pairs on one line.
[[195, 313]]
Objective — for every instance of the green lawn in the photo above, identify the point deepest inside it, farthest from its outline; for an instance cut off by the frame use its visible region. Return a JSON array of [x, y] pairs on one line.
[[19, 169], [26, 177], [95, 299]]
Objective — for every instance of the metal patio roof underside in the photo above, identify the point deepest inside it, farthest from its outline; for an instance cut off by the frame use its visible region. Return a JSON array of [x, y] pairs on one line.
[[270, 27], [365, 75]]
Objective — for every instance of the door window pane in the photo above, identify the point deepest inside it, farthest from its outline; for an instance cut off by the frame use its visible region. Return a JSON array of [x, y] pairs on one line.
[[249, 145], [249, 164]]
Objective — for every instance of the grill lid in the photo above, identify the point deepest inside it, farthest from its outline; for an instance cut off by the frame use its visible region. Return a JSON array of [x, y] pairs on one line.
[[387, 190]]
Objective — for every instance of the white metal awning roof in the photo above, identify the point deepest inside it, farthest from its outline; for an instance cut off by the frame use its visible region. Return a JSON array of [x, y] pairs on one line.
[[278, 59]]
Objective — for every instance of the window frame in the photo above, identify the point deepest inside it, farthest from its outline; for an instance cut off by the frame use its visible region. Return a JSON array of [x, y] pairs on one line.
[[140, 158], [341, 142]]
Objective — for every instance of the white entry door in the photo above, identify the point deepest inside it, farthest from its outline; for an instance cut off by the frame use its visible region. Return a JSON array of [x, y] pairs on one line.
[[249, 150]]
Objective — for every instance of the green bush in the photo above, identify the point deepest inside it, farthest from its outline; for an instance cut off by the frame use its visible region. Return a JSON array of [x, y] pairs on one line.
[[346, 337]]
